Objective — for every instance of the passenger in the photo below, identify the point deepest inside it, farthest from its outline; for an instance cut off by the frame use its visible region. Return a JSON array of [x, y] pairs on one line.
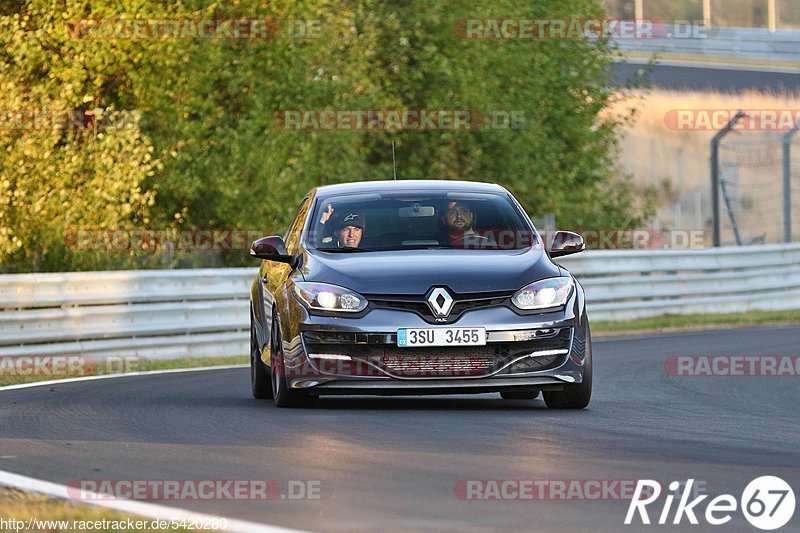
[[459, 218], [460, 222]]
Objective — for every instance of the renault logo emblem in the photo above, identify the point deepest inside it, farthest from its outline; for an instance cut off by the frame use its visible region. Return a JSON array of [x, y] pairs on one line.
[[440, 302]]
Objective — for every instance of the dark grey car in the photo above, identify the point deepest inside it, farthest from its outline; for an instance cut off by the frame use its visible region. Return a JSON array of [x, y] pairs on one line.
[[417, 287]]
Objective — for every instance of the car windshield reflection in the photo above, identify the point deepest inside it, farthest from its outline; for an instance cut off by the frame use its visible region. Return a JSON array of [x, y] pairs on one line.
[[403, 221]]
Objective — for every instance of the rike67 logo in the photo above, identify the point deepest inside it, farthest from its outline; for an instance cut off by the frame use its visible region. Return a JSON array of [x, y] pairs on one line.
[[767, 503]]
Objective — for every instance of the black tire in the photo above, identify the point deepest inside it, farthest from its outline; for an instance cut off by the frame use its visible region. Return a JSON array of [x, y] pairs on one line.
[[575, 396], [283, 395], [259, 372], [521, 395]]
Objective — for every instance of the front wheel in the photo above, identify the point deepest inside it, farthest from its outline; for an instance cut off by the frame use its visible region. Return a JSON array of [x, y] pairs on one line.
[[284, 396], [259, 372], [575, 396]]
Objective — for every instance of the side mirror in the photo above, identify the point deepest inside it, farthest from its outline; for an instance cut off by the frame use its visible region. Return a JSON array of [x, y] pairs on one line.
[[272, 249], [566, 243]]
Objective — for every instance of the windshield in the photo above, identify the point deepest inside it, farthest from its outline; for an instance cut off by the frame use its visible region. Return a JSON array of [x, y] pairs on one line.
[[406, 221]]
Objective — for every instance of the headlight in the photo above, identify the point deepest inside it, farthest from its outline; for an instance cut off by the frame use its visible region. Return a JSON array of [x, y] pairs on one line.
[[543, 294], [324, 297]]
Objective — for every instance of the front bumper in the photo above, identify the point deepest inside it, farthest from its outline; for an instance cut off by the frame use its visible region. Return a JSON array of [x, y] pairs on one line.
[[376, 387], [331, 355]]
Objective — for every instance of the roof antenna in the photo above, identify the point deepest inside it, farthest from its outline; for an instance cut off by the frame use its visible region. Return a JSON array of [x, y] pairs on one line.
[[394, 164]]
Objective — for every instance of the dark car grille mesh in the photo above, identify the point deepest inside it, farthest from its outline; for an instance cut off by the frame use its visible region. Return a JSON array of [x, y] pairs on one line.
[[532, 364], [433, 362], [461, 304], [448, 361]]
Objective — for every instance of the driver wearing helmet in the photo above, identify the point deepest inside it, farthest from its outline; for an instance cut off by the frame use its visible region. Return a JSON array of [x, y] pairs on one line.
[[348, 228]]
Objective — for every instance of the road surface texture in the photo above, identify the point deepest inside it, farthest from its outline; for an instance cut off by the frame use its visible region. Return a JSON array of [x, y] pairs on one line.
[[731, 79], [393, 463]]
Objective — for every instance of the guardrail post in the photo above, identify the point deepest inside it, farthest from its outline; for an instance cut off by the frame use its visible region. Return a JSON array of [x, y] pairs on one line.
[[715, 174], [787, 183], [707, 14], [772, 15]]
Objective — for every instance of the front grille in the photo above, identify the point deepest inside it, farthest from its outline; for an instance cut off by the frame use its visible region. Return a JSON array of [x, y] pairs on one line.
[[446, 361], [439, 362], [419, 305], [534, 364]]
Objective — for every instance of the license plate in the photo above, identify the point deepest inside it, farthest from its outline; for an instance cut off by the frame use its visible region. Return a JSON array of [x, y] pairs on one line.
[[412, 337]]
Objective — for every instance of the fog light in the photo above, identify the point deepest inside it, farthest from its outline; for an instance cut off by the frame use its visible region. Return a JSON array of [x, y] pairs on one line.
[[331, 356]]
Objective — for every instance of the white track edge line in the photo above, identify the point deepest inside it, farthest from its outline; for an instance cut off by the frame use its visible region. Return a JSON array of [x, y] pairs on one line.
[[112, 376], [146, 509]]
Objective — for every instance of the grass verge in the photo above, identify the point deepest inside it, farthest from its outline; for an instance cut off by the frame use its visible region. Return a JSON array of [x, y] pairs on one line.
[[697, 322], [27, 370]]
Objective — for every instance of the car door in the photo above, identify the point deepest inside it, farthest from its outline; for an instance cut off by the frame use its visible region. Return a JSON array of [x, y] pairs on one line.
[[273, 275]]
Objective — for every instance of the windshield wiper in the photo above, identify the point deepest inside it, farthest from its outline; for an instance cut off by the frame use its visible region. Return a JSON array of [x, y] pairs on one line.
[[343, 250]]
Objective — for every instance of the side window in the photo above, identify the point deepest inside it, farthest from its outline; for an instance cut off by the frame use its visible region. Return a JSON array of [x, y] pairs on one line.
[[293, 235]]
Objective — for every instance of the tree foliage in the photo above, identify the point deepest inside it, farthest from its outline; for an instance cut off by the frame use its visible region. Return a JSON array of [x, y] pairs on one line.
[[198, 146]]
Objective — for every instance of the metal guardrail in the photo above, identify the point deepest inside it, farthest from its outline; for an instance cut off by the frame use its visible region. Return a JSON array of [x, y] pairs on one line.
[[622, 285], [148, 313], [738, 43], [204, 312]]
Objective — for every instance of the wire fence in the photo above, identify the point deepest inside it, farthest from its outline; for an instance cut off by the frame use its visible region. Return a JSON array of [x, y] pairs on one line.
[[751, 189], [751, 185], [679, 173]]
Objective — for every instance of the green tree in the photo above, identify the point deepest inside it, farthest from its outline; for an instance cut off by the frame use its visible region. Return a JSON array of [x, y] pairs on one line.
[[69, 157], [202, 149]]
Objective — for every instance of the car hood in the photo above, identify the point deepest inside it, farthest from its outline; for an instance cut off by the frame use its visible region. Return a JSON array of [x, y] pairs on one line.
[[416, 271]]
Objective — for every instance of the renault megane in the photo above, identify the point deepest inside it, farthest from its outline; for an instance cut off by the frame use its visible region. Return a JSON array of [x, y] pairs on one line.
[[417, 287]]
